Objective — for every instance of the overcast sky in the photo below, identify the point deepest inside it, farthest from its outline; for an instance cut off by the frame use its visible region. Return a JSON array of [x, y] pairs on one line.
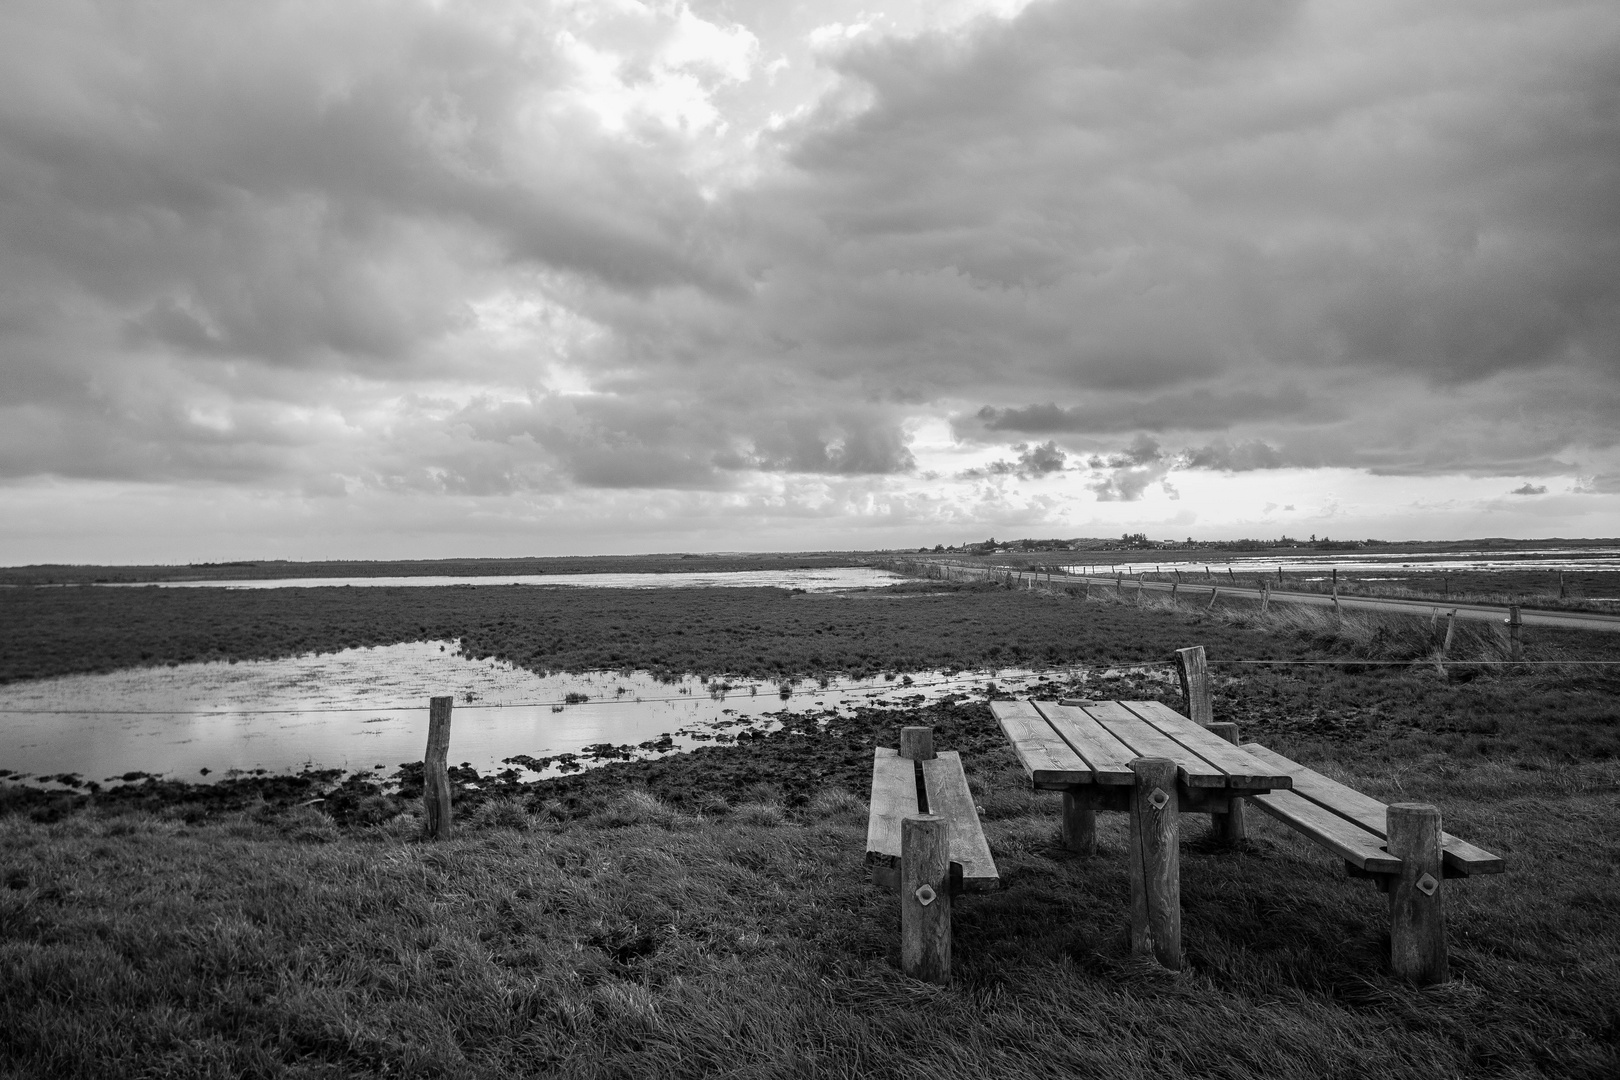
[[392, 279]]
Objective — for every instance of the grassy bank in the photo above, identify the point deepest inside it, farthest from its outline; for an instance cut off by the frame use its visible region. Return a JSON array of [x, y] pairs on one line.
[[644, 938], [760, 633], [707, 913]]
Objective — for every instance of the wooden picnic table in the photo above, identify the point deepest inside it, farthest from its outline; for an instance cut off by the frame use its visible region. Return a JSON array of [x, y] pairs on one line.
[[1144, 758]]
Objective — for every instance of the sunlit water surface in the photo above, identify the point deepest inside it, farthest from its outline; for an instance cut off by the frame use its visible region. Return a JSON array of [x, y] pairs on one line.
[[366, 709], [1551, 559], [827, 579]]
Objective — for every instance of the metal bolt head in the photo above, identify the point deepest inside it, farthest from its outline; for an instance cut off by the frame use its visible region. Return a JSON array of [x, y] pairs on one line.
[[1158, 798], [926, 895], [1426, 884]]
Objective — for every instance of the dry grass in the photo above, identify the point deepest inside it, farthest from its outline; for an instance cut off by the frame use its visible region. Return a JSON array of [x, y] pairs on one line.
[[643, 941]]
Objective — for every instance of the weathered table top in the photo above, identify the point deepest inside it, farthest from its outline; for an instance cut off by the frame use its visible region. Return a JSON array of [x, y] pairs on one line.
[[1072, 746]]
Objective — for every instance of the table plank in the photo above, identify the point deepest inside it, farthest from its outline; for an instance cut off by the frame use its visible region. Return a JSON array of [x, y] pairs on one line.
[[894, 797], [948, 796], [1355, 844], [1242, 770], [1049, 761], [1147, 741], [1110, 759], [1370, 814]]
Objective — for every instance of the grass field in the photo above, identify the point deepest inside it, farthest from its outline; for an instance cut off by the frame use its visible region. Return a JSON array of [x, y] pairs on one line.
[[707, 914]]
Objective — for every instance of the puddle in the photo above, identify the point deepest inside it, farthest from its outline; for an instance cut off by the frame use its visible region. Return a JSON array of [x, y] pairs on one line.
[[829, 579], [366, 709]]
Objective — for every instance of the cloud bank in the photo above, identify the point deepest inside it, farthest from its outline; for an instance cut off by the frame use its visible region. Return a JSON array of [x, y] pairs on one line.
[[883, 269]]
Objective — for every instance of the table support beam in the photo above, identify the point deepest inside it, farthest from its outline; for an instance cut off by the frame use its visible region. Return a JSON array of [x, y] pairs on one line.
[[1155, 862], [1080, 821], [1229, 827]]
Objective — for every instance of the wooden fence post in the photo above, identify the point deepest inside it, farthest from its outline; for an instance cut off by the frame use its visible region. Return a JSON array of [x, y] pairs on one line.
[[1213, 593], [1080, 820], [1417, 917], [1230, 826], [917, 743], [1265, 595], [925, 898], [1155, 862], [1193, 668], [1515, 635], [436, 769]]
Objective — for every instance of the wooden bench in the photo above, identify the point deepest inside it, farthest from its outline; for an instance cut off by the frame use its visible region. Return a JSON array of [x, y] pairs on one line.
[[1400, 846], [924, 840]]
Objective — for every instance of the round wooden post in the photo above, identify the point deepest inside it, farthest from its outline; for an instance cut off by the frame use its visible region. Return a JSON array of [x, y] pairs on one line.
[[1156, 862], [1417, 916], [1213, 595], [1080, 820], [1230, 826], [917, 743], [1515, 635], [925, 898], [436, 769]]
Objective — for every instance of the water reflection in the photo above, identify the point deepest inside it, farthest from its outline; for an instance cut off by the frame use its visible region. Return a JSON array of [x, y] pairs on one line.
[[829, 579], [363, 709]]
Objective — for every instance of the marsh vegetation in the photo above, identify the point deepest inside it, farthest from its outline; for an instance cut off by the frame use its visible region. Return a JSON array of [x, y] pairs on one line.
[[708, 912]]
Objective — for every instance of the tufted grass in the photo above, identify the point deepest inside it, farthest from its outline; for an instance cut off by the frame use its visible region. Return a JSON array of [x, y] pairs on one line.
[[647, 940]]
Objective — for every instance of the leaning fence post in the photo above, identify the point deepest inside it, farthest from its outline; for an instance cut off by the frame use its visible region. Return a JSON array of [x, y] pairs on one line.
[[1230, 826], [1193, 668], [925, 898], [1155, 862], [436, 769], [1417, 917], [1213, 593]]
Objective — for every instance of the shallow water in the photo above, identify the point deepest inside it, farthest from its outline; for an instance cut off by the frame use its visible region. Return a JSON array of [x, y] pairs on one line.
[[365, 709], [1539, 559], [828, 579]]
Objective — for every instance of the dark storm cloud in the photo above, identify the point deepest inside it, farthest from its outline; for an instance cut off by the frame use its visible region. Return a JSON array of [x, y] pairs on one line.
[[241, 240], [1033, 463]]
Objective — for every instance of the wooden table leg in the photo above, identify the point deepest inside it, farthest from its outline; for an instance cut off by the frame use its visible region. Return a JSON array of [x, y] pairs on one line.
[[1155, 862], [1229, 827], [1080, 820]]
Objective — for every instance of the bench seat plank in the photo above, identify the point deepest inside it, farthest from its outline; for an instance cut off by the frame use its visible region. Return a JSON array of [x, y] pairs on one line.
[[894, 798], [1049, 761], [949, 797], [1356, 845], [1458, 855], [1110, 759], [1148, 741], [1242, 769]]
